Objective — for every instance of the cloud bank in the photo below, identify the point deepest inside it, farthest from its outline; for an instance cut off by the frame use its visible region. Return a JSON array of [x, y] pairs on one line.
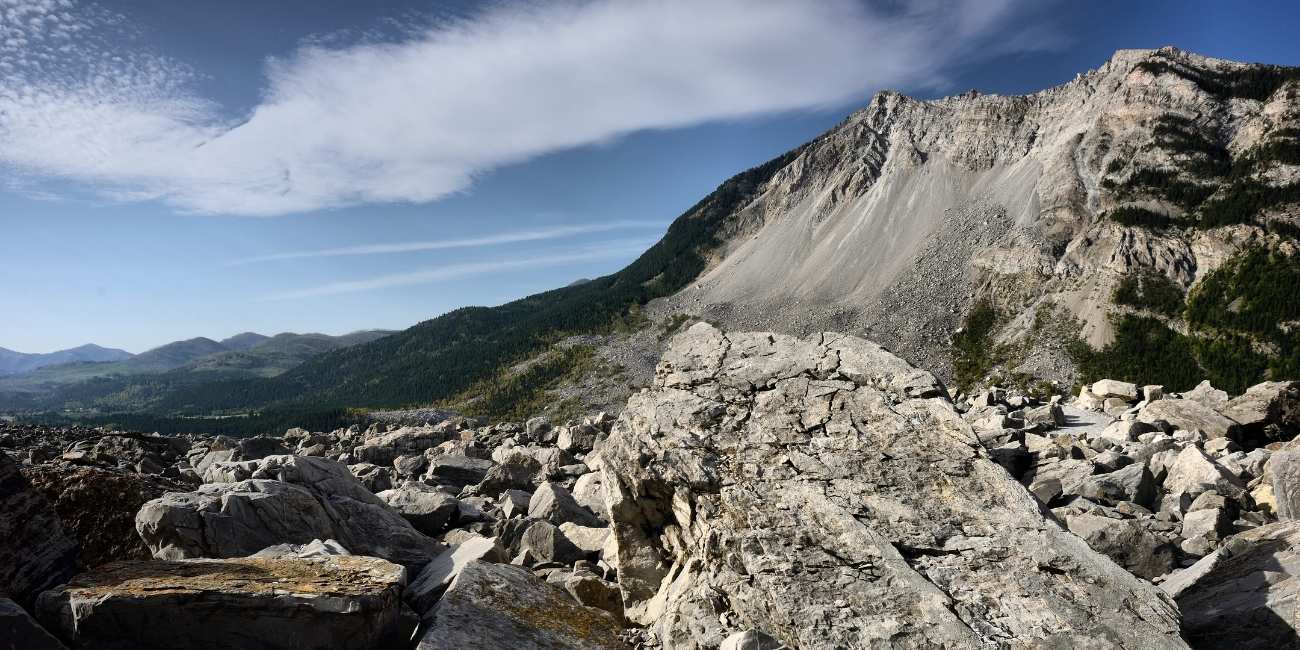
[[415, 119]]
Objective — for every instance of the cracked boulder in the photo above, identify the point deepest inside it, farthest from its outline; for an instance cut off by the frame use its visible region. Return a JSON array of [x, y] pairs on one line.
[[825, 492]]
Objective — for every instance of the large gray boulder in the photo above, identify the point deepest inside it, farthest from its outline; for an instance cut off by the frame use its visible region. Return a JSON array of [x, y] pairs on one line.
[[429, 509], [35, 552], [1283, 473], [827, 493], [495, 606], [1189, 415], [1243, 596], [551, 502], [330, 602], [1267, 412], [289, 499]]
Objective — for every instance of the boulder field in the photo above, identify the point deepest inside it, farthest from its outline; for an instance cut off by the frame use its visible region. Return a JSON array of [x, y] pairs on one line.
[[765, 491]]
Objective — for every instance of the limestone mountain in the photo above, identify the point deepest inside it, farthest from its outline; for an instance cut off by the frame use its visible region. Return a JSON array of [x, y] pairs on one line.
[[1137, 222]]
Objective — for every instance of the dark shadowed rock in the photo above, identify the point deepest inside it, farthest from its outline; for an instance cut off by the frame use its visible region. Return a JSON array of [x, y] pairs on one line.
[[19, 631], [35, 552], [1243, 596]]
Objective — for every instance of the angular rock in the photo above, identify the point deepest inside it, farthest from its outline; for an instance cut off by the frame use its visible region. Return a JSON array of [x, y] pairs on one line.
[[1126, 541], [1133, 483], [457, 471], [35, 552], [97, 508], [1112, 388], [1192, 473], [429, 509], [1208, 395], [756, 453], [551, 502], [1243, 595], [544, 542], [495, 606], [427, 587], [514, 502], [591, 540], [294, 500], [1283, 474], [1189, 415], [19, 631], [248, 603], [314, 548], [1267, 412]]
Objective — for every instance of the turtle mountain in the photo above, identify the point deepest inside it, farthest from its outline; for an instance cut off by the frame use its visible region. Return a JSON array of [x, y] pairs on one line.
[[1138, 222]]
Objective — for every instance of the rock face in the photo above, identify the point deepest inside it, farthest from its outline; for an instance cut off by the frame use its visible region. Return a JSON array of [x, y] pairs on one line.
[[495, 606], [287, 499], [1244, 595], [248, 603], [827, 494], [35, 552], [98, 507]]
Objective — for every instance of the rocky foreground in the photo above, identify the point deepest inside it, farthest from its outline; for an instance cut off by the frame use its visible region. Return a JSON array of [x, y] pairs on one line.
[[765, 492]]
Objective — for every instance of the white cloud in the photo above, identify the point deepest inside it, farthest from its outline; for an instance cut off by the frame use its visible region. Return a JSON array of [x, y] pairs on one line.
[[554, 232], [456, 271], [417, 119]]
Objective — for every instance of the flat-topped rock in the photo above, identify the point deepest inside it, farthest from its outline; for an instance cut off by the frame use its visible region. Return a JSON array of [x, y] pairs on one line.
[[331, 602]]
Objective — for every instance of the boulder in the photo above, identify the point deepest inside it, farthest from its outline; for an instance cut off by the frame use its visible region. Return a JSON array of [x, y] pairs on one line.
[[1283, 474], [1189, 415], [427, 587], [1192, 473], [329, 602], [542, 541], [514, 503], [825, 491], [457, 471], [1243, 595], [429, 509], [35, 551], [553, 503], [1107, 388], [494, 606], [1126, 541], [19, 631], [1267, 412], [293, 499], [1208, 395], [314, 548], [97, 508], [1133, 483], [514, 471]]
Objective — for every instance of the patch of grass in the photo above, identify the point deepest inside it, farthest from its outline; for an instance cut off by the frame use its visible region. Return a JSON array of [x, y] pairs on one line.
[[974, 352], [517, 396], [1151, 291]]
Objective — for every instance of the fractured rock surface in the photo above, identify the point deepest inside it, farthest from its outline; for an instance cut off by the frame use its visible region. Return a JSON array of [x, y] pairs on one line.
[[824, 493]]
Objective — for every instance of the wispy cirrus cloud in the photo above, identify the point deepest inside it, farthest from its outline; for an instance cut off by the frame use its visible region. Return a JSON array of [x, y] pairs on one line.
[[458, 271], [419, 117], [514, 237]]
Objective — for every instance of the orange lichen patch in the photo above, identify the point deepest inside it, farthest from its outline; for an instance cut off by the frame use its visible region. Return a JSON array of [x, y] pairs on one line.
[[335, 576], [555, 612]]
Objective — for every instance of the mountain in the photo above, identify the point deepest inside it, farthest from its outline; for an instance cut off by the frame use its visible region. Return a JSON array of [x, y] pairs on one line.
[[243, 341], [1138, 222], [137, 382], [17, 363]]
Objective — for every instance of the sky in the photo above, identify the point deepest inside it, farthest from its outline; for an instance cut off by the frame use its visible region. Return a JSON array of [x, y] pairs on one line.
[[179, 169]]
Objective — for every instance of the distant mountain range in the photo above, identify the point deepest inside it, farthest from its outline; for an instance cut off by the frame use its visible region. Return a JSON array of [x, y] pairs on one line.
[[17, 363], [65, 378]]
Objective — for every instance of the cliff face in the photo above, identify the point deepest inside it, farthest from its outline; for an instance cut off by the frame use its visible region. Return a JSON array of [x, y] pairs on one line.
[[899, 220]]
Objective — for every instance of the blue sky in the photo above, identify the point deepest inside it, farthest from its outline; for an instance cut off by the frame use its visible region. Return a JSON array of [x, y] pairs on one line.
[[179, 169]]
